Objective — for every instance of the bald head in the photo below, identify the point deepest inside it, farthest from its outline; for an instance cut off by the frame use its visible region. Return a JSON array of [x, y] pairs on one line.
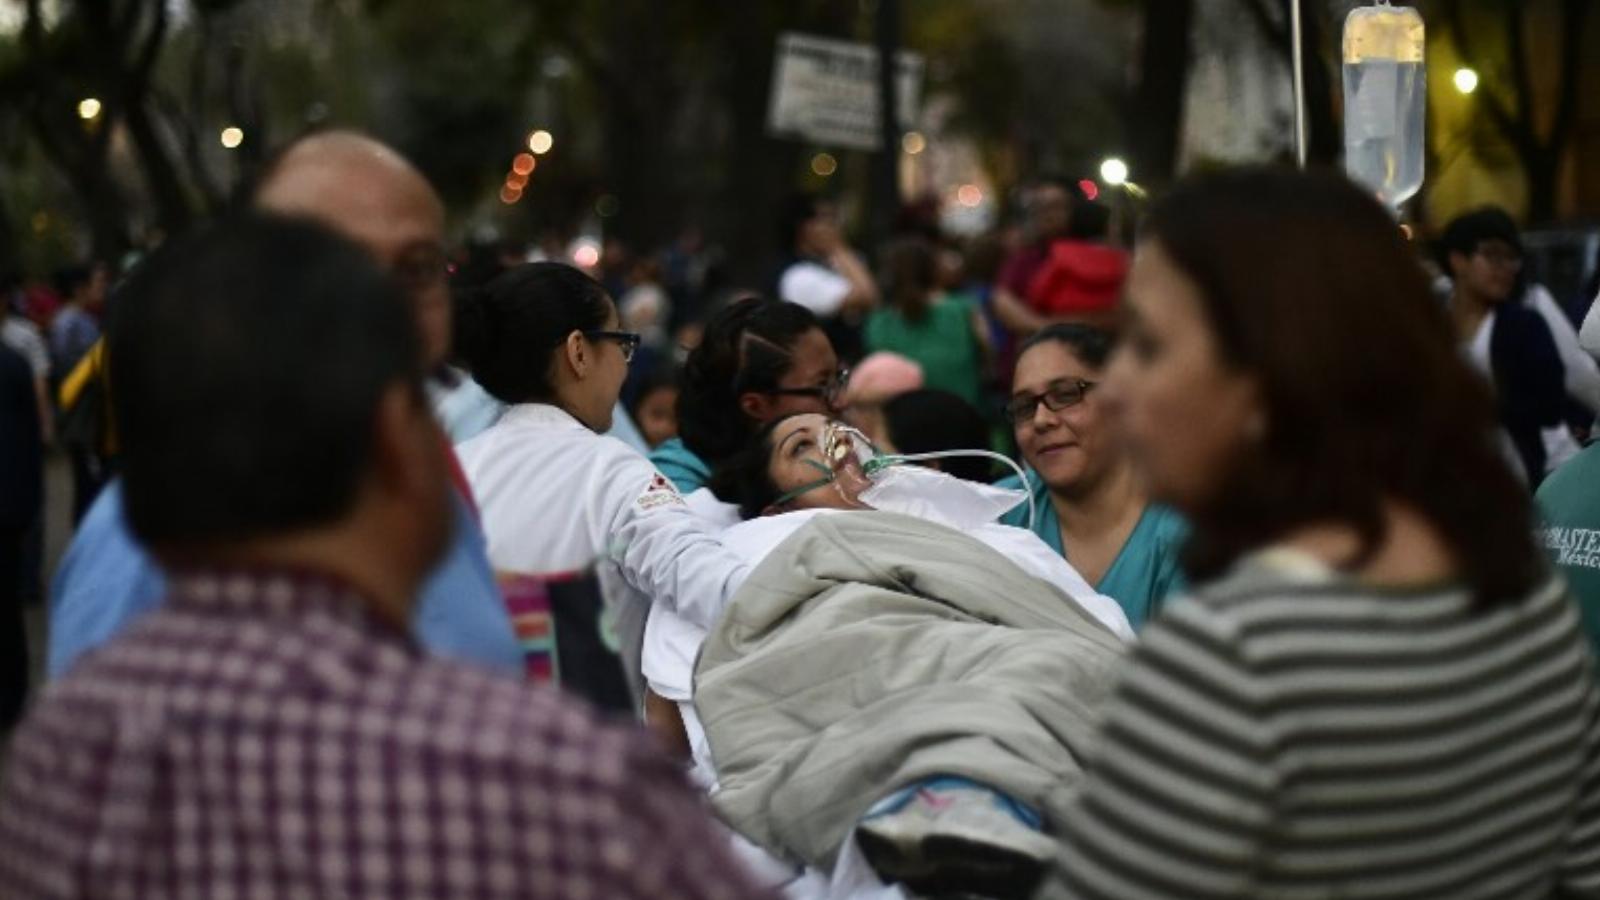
[[369, 193]]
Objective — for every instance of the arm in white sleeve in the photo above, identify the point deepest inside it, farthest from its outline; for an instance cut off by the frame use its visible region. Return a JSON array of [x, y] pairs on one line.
[[1589, 332], [1581, 372], [815, 287], [662, 549]]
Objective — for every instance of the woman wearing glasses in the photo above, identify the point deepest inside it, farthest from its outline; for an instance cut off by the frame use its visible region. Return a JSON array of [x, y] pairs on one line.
[[760, 360], [555, 494], [1090, 505]]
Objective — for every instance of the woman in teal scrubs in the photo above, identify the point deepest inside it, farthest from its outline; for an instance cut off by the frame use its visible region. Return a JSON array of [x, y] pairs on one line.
[[760, 360], [1090, 504]]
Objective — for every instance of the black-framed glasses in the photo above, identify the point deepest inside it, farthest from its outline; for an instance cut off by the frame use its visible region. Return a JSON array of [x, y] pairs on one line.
[[1057, 397], [1500, 256], [828, 393], [627, 340], [420, 267]]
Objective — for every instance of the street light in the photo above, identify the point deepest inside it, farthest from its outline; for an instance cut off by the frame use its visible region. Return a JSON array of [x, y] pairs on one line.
[[540, 142], [232, 137], [88, 108], [1114, 172], [1466, 80]]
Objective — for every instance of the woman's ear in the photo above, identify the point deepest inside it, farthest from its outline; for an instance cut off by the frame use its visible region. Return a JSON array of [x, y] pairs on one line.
[[756, 407], [577, 354]]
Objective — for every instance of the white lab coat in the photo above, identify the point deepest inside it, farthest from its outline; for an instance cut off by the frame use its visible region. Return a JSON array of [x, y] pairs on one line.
[[556, 497]]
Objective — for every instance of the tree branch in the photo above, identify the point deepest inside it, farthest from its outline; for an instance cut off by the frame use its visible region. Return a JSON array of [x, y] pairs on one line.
[[1574, 13], [1517, 49], [1502, 118], [1277, 34]]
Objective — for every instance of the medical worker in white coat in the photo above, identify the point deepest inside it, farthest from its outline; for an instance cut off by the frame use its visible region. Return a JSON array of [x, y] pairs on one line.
[[555, 494]]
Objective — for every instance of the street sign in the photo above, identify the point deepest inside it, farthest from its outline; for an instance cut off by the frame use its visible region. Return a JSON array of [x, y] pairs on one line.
[[826, 91]]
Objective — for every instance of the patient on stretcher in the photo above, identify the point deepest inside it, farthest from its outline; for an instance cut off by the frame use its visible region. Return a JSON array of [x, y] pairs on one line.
[[919, 595]]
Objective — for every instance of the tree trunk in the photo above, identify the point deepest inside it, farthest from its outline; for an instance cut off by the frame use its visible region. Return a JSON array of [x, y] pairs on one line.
[[1157, 120], [172, 204], [1541, 172]]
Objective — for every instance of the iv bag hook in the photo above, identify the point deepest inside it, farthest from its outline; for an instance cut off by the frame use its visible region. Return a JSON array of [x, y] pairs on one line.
[[1299, 83]]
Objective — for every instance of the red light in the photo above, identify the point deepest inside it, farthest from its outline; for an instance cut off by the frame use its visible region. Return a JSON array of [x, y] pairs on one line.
[[1091, 191]]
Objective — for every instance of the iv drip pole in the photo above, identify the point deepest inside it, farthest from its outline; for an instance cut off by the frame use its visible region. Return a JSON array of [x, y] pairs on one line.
[[1299, 83]]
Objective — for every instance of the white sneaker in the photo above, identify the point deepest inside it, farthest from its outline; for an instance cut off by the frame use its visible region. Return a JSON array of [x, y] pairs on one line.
[[954, 836]]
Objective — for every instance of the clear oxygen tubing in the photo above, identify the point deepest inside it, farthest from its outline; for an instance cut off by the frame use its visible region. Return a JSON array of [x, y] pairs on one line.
[[885, 460]]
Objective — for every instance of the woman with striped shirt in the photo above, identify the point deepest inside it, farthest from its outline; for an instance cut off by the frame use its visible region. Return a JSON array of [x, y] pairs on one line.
[[1377, 688]]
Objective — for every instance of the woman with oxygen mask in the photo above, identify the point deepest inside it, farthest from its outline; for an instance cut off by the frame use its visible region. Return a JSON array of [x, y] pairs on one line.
[[805, 467], [847, 471]]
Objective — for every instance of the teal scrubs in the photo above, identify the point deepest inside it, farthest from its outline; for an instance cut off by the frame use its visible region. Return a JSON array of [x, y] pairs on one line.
[[1145, 573], [683, 468], [1569, 501]]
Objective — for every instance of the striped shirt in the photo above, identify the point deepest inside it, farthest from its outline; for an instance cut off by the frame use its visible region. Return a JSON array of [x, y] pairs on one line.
[[1293, 734]]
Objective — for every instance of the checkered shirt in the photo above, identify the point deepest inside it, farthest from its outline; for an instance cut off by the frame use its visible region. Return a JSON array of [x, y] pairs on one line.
[[263, 736]]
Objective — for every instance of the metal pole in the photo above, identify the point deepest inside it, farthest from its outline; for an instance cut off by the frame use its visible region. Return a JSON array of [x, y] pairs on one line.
[[1299, 84], [887, 164]]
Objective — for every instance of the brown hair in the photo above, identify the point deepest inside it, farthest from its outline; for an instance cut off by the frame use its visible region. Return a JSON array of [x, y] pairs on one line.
[[1309, 287], [910, 274]]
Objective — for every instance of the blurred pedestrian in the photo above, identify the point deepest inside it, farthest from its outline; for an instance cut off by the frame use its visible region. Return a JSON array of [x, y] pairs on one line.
[[76, 325], [655, 407], [877, 379], [1569, 504], [21, 495], [21, 335], [1509, 343], [822, 273], [929, 420], [919, 321], [1049, 203], [1081, 279], [1378, 687], [272, 731], [1089, 503], [367, 192]]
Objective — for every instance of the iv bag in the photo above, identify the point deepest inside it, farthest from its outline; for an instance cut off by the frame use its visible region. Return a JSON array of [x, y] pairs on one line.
[[1385, 100]]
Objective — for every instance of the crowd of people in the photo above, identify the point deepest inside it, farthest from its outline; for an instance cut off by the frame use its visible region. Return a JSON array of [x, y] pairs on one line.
[[1032, 565]]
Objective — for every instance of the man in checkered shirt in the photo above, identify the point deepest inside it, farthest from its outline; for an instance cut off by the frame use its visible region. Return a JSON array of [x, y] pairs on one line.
[[271, 731]]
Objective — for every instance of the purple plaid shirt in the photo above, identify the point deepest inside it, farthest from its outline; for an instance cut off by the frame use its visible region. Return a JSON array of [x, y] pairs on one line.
[[262, 735]]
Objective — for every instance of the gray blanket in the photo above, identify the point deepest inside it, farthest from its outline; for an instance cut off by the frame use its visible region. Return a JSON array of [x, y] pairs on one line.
[[870, 651]]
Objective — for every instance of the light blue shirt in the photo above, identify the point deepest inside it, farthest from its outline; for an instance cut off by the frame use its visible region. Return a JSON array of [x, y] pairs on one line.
[[467, 410], [1146, 572], [107, 580], [687, 472]]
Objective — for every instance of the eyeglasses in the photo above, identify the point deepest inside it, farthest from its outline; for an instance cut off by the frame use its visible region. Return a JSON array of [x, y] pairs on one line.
[[828, 393], [1500, 257], [1056, 398], [627, 340], [420, 268]]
